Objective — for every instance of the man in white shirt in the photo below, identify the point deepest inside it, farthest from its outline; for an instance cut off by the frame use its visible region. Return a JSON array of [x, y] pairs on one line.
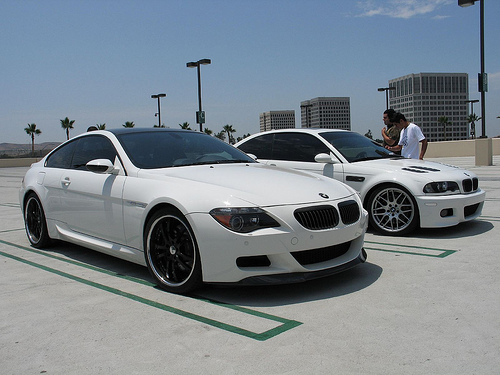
[[409, 138]]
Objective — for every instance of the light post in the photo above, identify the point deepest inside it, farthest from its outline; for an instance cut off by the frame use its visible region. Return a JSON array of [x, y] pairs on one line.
[[482, 77], [158, 96], [386, 89], [473, 125], [200, 115]]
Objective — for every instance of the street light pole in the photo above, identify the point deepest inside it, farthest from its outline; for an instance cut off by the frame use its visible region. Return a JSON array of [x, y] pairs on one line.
[[200, 115], [158, 96], [386, 89], [482, 79]]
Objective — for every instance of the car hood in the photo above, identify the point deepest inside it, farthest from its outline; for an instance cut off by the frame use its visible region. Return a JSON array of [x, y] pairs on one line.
[[257, 184], [421, 169]]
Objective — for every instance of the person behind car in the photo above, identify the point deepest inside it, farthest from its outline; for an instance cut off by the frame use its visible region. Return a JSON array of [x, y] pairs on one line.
[[390, 133], [409, 138]]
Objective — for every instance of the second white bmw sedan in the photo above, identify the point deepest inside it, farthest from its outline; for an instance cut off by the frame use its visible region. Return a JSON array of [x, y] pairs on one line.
[[399, 194], [192, 209]]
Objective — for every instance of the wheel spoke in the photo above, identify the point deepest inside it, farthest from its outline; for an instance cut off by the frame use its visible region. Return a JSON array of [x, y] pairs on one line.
[[172, 251], [392, 210]]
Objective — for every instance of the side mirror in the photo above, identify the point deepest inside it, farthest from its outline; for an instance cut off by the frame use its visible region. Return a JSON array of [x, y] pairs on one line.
[[325, 158], [101, 166]]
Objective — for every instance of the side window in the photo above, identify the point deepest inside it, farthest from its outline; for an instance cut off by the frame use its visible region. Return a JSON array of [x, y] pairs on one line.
[[297, 147], [61, 158], [90, 148], [259, 146]]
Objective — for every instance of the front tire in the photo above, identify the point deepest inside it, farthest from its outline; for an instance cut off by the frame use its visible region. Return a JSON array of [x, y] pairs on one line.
[[171, 252], [35, 222], [392, 211]]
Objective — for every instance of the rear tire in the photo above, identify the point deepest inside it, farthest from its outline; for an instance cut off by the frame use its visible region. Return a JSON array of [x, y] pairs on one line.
[[171, 252], [35, 222]]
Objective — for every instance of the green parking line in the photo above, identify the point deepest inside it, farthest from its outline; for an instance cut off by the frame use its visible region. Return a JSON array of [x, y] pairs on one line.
[[442, 253], [286, 324]]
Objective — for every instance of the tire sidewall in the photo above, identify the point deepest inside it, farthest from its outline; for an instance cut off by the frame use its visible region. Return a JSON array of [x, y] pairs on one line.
[[409, 228], [195, 278]]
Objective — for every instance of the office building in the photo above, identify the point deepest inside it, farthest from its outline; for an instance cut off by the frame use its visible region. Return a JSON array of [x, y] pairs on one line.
[[274, 120], [326, 112], [426, 97]]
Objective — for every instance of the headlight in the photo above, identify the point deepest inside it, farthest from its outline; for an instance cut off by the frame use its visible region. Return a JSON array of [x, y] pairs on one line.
[[441, 187], [243, 220]]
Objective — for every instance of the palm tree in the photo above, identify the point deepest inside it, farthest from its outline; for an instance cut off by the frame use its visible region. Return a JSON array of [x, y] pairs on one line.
[[221, 135], [243, 137], [66, 125], [101, 126], [185, 126], [128, 124], [443, 120], [229, 130], [207, 131], [472, 119], [31, 130]]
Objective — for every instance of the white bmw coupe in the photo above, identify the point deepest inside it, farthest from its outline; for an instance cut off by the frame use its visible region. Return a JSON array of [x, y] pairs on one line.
[[399, 194], [192, 209]]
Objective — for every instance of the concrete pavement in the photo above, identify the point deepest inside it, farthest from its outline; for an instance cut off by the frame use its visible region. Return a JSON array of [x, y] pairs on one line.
[[423, 304]]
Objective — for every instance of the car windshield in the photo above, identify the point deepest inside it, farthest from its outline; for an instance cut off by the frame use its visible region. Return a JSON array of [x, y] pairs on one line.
[[355, 147], [164, 149]]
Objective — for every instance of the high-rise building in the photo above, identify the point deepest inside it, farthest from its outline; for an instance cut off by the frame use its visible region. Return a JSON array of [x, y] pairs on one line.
[[424, 98], [326, 112], [274, 120]]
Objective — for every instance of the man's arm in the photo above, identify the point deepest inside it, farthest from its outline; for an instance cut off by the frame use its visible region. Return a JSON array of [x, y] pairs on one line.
[[388, 140], [423, 149]]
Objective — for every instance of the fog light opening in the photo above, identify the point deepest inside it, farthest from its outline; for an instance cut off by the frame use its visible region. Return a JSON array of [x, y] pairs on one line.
[[446, 212], [253, 261]]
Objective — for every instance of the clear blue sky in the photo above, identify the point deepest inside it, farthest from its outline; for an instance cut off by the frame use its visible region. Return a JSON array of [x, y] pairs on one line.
[[99, 61]]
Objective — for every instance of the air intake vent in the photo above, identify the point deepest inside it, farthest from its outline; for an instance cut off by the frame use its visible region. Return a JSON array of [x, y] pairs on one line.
[[324, 254], [317, 218], [349, 212], [470, 184]]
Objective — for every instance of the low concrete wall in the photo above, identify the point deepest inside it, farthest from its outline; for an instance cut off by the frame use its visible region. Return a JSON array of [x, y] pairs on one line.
[[457, 148], [21, 162], [434, 150]]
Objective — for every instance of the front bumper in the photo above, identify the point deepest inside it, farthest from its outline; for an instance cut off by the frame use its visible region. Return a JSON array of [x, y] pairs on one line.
[[220, 250], [449, 210]]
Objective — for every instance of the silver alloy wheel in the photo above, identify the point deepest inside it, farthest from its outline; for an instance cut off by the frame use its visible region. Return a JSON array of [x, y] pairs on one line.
[[392, 210]]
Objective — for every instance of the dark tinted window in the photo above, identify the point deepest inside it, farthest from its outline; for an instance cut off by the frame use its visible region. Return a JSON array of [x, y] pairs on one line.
[[297, 147], [162, 149], [61, 158], [355, 147], [261, 146], [90, 148]]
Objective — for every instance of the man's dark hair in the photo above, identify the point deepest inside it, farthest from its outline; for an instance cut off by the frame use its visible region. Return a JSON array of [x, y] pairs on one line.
[[389, 112], [398, 116]]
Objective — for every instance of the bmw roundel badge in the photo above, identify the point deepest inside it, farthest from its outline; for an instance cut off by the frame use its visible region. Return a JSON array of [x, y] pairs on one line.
[[323, 195]]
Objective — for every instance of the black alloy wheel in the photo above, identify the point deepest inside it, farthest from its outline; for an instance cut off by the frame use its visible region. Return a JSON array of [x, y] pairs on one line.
[[171, 252], [35, 223]]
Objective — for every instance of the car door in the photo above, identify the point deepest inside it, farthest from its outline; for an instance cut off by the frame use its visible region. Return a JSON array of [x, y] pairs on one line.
[[88, 202]]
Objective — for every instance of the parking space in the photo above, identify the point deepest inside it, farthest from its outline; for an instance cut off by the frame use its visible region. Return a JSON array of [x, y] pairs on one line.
[[422, 304]]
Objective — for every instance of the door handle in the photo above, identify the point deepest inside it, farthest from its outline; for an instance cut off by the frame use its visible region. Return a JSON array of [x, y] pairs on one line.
[[66, 181]]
